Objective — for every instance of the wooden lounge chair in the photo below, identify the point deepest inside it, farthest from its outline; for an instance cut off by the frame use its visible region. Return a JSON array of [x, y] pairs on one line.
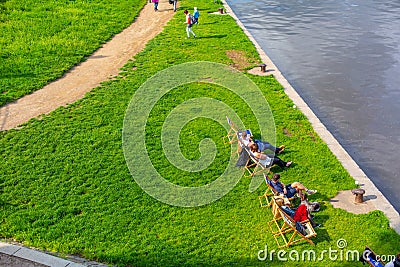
[[275, 208], [369, 256], [231, 136], [266, 198], [254, 166], [242, 143], [285, 232]]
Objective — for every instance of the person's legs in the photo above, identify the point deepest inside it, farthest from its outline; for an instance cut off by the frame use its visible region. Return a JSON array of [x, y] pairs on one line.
[[300, 187], [189, 30], [263, 145], [279, 162], [175, 5], [313, 224], [155, 6], [290, 191]]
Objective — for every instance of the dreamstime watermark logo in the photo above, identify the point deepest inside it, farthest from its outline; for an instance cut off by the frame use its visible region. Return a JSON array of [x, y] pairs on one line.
[[147, 96], [339, 253]]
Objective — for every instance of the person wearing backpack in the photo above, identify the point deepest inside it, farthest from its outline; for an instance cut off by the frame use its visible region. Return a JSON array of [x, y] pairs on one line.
[[189, 24], [196, 15]]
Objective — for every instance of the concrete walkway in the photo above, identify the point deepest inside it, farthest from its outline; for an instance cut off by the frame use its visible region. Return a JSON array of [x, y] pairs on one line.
[[19, 256], [379, 201]]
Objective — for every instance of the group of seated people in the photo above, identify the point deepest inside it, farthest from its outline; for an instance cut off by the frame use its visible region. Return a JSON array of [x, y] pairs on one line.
[[258, 148], [303, 211]]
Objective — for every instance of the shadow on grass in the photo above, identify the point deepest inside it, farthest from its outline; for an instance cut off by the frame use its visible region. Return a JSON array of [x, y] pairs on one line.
[[164, 10], [207, 23], [322, 235], [4, 204], [213, 36]]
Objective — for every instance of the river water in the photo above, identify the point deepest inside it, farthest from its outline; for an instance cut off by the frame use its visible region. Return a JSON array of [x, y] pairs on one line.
[[343, 58]]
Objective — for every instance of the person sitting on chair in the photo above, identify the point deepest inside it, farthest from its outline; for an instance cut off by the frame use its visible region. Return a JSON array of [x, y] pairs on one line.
[[281, 203], [291, 189], [302, 214], [261, 145], [268, 160]]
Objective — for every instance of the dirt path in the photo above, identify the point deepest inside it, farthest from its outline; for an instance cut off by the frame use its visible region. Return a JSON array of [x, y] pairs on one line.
[[104, 64]]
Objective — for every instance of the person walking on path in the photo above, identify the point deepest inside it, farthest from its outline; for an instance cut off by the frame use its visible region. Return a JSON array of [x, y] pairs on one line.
[[155, 5], [174, 3], [189, 24], [196, 15]]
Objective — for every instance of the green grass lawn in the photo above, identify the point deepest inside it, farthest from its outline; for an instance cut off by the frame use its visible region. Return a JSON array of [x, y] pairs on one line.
[[40, 40], [65, 185]]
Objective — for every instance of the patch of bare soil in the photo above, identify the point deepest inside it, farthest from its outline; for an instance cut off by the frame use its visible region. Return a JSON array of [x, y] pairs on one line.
[[240, 59], [286, 132], [104, 64]]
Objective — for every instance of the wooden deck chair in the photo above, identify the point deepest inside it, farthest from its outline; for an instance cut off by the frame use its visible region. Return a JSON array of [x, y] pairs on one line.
[[242, 143], [275, 209], [231, 136], [277, 222], [254, 166], [286, 232], [266, 198], [369, 256]]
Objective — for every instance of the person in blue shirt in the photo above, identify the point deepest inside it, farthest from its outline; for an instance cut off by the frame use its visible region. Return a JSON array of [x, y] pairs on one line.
[[289, 190], [196, 15]]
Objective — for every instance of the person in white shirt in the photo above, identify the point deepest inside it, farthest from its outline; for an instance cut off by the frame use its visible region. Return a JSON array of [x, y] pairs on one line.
[[261, 145], [268, 160]]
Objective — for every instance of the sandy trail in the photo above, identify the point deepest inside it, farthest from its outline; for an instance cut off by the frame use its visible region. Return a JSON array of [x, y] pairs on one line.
[[104, 64]]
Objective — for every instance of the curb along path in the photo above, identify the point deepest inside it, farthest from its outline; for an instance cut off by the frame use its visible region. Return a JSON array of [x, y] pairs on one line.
[[380, 203], [18, 256], [104, 64]]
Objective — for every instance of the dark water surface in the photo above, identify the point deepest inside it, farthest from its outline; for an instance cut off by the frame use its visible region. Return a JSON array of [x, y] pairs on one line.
[[343, 58]]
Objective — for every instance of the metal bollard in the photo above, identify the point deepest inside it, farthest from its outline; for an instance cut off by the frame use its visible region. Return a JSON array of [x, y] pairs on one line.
[[359, 195]]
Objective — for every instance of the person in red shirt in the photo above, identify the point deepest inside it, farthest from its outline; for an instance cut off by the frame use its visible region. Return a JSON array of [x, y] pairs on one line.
[[302, 214], [189, 24]]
